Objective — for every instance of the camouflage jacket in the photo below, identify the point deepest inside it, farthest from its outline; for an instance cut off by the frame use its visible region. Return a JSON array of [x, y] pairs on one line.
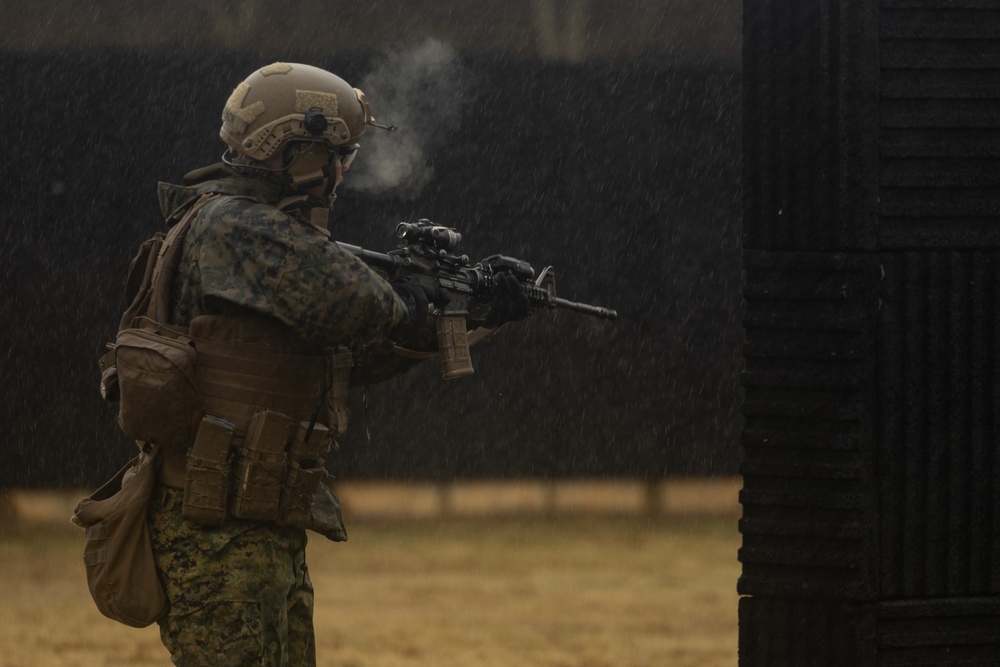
[[244, 256]]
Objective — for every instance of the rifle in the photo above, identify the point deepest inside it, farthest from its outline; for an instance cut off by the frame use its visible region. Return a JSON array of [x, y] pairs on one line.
[[426, 258]]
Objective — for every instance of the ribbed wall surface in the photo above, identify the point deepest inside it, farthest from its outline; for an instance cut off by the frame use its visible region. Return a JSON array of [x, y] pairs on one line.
[[939, 389], [810, 196], [939, 117], [808, 377], [932, 633], [872, 253], [810, 153], [939, 328], [819, 633]]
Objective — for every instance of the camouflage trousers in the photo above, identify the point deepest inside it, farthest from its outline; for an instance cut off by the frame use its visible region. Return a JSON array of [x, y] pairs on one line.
[[239, 594]]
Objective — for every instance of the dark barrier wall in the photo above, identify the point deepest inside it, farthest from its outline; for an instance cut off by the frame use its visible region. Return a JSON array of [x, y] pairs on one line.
[[623, 173], [871, 500]]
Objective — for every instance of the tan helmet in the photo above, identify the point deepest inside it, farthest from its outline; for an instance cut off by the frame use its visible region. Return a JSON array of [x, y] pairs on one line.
[[291, 102]]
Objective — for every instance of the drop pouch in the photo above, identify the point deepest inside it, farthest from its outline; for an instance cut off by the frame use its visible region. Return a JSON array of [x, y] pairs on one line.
[[118, 554]]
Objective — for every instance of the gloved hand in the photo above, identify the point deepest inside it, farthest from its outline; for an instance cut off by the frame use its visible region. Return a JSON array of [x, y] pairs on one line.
[[416, 329], [417, 303], [509, 304]]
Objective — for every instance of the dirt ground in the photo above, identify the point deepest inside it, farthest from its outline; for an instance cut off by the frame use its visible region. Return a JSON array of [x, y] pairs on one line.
[[576, 592]]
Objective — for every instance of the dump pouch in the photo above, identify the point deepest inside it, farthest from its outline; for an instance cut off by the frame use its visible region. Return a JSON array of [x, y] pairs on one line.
[[261, 466], [118, 555], [208, 470]]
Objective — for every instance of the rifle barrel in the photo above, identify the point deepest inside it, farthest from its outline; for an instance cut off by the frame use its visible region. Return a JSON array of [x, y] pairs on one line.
[[584, 308]]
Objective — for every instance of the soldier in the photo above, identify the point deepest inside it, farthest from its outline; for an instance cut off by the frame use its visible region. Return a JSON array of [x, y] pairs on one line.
[[280, 314]]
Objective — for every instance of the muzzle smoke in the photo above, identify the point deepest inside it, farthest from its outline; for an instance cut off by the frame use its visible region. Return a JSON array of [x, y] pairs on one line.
[[423, 92]]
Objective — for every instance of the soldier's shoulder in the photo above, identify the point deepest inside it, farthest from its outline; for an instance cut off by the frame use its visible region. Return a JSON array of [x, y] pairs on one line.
[[236, 210], [245, 204]]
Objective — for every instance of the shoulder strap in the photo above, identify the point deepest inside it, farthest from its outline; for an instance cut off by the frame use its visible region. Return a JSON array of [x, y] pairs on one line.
[[169, 260], [153, 297], [139, 278]]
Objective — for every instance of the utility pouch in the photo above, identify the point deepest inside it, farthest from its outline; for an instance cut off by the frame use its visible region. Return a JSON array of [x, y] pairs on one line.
[[262, 466], [305, 473], [156, 382], [206, 477], [118, 555]]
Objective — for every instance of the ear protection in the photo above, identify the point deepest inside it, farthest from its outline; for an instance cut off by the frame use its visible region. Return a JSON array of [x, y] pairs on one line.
[[309, 166]]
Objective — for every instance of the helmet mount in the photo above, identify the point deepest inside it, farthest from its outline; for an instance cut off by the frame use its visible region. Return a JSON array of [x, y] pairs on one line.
[[315, 122]]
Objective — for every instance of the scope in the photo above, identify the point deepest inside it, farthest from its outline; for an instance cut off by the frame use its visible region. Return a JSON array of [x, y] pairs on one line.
[[426, 233]]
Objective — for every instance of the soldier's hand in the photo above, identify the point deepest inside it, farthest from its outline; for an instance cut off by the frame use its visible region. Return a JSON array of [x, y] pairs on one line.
[[509, 304], [417, 304], [415, 329]]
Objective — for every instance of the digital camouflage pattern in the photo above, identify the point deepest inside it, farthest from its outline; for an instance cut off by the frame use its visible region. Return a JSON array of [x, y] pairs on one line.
[[242, 255], [240, 593]]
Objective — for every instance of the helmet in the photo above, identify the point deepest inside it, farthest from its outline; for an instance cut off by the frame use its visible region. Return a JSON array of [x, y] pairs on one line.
[[291, 102]]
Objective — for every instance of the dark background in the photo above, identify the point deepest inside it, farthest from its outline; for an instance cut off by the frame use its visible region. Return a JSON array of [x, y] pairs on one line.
[[623, 172]]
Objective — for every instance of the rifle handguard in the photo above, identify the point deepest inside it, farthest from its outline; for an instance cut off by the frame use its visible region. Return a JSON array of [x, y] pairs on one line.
[[453, 343]]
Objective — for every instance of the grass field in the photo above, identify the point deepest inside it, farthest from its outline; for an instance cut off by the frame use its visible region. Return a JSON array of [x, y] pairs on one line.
[[577, 592]]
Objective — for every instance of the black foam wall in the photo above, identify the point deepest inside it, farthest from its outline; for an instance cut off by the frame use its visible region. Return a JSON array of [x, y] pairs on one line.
[[871, 510]]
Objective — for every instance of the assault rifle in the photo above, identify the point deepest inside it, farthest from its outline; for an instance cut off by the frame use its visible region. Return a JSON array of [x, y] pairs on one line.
[[426, 258]]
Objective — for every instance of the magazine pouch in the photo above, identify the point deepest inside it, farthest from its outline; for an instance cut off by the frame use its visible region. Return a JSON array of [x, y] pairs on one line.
[[206, 476], [261, 466], [305, 472]]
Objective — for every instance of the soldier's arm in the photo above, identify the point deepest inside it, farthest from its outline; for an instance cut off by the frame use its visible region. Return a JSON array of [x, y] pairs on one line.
[[266, 261]]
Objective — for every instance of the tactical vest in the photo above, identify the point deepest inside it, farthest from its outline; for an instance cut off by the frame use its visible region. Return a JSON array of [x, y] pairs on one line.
[[241, 410]]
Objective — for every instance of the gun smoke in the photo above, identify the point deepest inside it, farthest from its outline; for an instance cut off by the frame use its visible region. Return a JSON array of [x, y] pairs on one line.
[[423, 93]]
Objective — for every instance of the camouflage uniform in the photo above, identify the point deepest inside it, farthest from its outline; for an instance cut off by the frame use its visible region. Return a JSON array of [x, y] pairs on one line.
[[240, 593], [244, 256]]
